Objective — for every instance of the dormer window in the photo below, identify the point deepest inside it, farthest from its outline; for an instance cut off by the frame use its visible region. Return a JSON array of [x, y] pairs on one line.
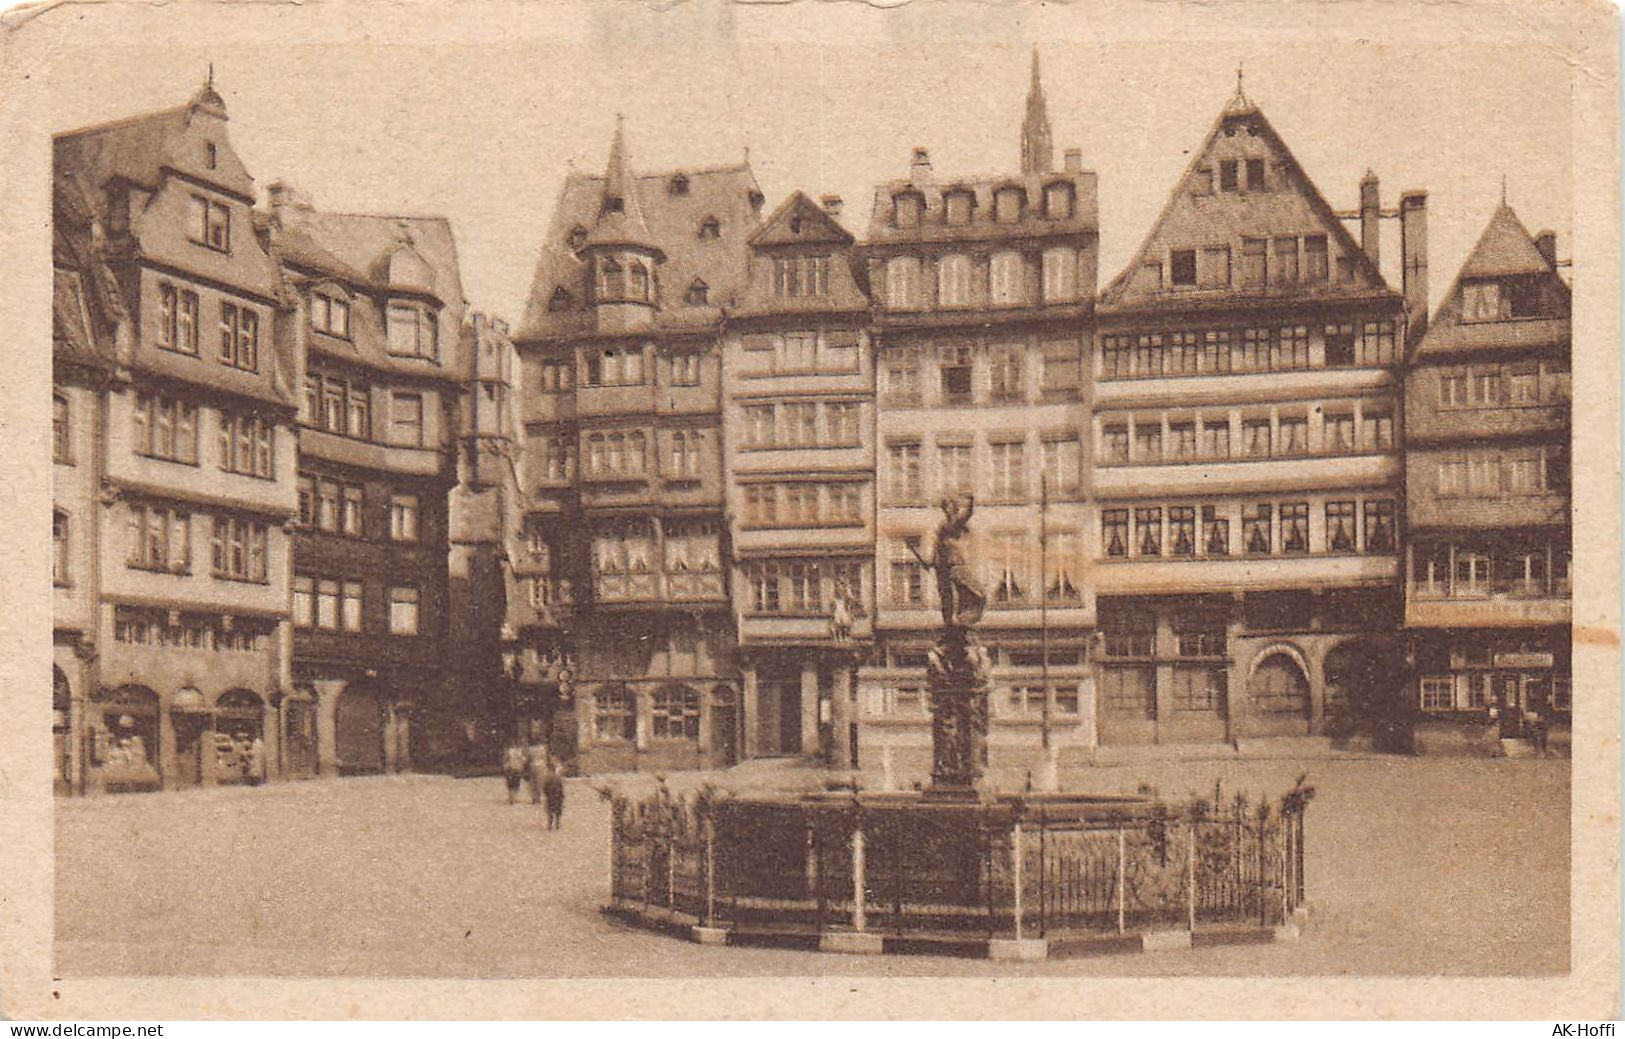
[[412, 330], [1058, 201], [795, 225], [907, 208], [678, 185], [578, 238], [614, 204], [959, 206], [1501, 300], [560, 300], [710, 228], [211, 155], [330, 314], [698, 294], [1008, 204]]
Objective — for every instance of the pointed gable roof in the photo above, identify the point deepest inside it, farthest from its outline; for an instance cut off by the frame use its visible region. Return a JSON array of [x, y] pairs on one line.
[[1504, 249], [620, 213], [1192, 221], [800, 221]]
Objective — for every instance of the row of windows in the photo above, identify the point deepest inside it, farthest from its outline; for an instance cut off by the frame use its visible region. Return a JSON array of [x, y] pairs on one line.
[[1493, 386], [959, 205], [160, 538], [1007, 279], [674, 714], [1231, 173], [1024, 700], [803, 504], [1009, 561], [801, 424], [630, 549], [804, 587], [799, 353], [996, 471], [344, 406], [167, 428], [1506, 299], [1190, 530], [619, 455], [801, 275], [334, 604], [341, 507], [1216, 437], [1471, 692], [1478, 570], [179, 324], [145, 627], [994, 374], [1225, 351], [1534, 470], [1282, 261]]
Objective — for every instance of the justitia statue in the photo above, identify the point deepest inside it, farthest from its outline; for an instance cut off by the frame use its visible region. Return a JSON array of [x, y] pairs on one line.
[[957, 664]]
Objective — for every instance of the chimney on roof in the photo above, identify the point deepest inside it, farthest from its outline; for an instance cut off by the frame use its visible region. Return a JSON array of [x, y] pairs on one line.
[[1072, 160], [1413, 256], [919, 171], [1546, 242], [1370, 214], [284, 196], [832, 205]]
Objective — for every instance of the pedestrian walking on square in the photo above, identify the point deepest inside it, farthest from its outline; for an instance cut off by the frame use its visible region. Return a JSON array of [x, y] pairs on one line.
[[536, 769], [513, 769], [553, 787]]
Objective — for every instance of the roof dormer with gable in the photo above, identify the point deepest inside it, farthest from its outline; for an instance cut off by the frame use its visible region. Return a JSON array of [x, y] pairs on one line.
[[801, 263], [1244, 223]]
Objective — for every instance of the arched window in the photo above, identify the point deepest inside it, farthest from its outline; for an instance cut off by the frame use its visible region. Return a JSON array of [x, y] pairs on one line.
[[675, 713], [614, 716]]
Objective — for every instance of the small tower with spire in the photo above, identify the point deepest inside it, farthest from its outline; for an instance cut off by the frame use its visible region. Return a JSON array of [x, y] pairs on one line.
[[620, 251], [1037, 148]]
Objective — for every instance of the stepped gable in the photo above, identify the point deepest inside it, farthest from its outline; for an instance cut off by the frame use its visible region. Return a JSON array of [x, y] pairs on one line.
[[1505, 249], [1191, 220], [728, 194], [799, 222]]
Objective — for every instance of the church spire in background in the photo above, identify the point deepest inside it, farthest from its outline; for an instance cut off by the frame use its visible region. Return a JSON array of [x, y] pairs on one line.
[[1037, 149]]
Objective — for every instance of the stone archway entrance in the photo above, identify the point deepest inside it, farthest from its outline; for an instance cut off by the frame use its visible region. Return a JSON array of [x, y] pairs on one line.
[[1278, 694], [359, 724]]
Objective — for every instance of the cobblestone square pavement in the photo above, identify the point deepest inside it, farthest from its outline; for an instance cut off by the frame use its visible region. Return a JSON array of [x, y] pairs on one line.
[[1449, 866]]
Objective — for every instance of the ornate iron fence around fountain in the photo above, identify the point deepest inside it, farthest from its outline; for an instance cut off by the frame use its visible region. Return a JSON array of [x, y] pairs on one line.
[[1012, 868]]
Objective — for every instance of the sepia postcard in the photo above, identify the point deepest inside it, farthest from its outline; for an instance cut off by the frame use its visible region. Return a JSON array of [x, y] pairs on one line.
[[811, 510]]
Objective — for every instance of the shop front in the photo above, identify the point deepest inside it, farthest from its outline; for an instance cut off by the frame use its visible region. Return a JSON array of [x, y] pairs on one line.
[[1518, 681], [124, 741]]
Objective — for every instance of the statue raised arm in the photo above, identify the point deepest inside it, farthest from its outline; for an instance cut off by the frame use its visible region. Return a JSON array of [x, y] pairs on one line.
[[960, 592]]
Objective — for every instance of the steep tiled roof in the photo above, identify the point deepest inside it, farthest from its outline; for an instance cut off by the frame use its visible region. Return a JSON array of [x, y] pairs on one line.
[[1190, 221], [1504, 248], [85, 299], [139, 148], [620, 213], [729, 194], [355, 249]]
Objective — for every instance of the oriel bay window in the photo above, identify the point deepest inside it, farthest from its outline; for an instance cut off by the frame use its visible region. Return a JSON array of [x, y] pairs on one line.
[[166, 428], [160, 538]]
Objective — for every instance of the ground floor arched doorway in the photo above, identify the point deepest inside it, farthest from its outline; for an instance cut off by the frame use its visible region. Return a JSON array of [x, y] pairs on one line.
[[1278, 689], [360, 719]]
